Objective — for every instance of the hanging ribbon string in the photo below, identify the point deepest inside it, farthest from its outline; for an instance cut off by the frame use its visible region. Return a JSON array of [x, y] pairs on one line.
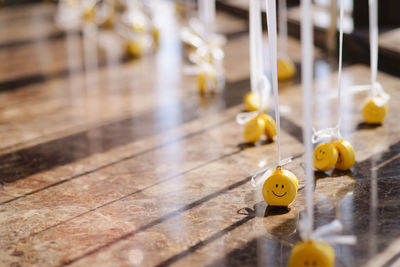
[[253, 47], [333, 134], [271, 24], [261, 175], [328, 233], [373, 40], [376, 91], [307, 77], [259, 39], [207, 15], [341, 8], [283, 32], [258, 81]]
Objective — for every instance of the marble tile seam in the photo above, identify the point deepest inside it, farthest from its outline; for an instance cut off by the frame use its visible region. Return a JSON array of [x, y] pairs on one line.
[[160, 220], [118, 161]]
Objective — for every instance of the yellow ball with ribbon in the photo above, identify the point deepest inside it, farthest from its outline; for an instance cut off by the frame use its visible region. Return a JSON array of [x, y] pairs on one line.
[[280, 188], [312, 253]]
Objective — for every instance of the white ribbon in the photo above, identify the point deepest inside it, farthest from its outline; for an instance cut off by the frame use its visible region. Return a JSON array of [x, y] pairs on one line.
[[264, 173], [333, 134], [196, 35], [376, 92], [206, 67], [283, 32], [206, 10], [329, 134], [272, 37], [328, 233]]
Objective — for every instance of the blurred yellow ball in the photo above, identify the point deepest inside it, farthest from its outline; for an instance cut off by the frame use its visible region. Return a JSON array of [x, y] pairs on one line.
[[286, 69], [312, 254]]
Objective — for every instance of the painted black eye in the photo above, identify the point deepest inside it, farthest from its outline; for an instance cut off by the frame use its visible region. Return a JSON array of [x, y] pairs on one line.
[[306, 263], [276, 185], [283, 186], [314, 263]]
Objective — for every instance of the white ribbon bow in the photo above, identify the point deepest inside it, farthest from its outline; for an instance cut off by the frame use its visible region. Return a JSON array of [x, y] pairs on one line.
[[264, 173], [328, 233], [196, 35], [376, 92], [331, 134]]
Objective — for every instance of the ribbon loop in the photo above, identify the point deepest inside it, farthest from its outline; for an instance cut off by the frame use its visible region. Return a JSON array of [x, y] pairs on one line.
[[264, 173], [243, 117], [379, 96], [261, 176], [328, 233], [331, 134]]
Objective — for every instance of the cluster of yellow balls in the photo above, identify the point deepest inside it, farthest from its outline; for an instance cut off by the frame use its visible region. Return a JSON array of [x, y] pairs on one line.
[[338, 154], [133, 46]]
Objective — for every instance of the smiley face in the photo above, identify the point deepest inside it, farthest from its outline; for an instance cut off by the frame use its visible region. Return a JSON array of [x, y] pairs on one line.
[[286, 69], [254, 129], [270, 126], [346, 158], [325, 156], [280, 188], [252, 101], [312, 254], [373, 113]]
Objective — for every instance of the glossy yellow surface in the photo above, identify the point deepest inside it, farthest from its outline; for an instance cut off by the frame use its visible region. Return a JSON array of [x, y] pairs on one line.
[[280, 188], [109, 22], [325, 156], [346, 157], [254, 129], [373, 113], [312, 254], [252, 101], [206, 81], [286, 69], [156, 35], [89, 13], [270, 126], [134, 48]]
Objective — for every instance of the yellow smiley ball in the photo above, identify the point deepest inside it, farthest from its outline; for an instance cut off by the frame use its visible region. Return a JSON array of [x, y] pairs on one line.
[[325, 156], [286, 69], [346, 157], [134, 48], [373, 113], [312, 254], [280, 188], [252, 101], [254, 129], [270, 126]]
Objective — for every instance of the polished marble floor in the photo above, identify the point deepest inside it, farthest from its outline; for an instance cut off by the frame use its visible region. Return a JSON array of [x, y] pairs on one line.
[[107, 161]]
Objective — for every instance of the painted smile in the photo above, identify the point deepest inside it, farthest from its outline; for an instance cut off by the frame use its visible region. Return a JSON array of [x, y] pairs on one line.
[[278, 195], [316, 156]]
